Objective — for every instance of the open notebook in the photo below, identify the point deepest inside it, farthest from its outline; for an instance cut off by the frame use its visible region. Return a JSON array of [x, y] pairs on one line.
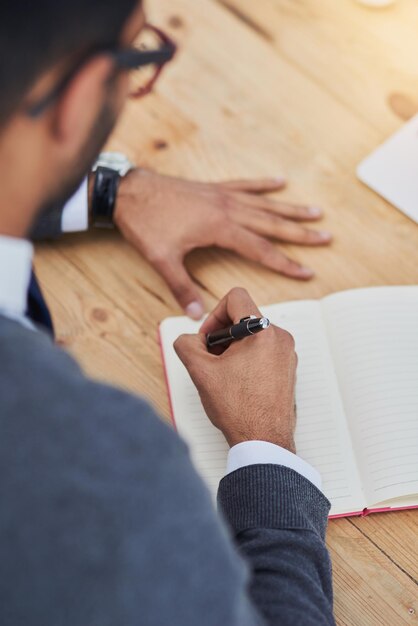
[[356, 396]]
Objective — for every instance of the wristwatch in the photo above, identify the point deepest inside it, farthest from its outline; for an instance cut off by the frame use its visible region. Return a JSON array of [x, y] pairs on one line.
[[110, 167]]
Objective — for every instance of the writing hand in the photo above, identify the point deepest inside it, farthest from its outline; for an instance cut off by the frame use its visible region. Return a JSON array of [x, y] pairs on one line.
[[248, 391]]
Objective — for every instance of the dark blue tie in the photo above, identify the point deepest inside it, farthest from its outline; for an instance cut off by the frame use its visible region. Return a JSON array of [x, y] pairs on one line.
[[37, 309]]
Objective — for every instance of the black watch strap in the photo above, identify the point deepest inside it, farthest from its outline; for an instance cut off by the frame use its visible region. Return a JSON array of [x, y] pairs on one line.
[[104, 197]]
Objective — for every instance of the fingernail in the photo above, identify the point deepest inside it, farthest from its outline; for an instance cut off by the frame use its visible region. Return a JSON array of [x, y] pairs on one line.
[[325, 235], [280, 180], [195, 310], [315, 211], [306, 272]]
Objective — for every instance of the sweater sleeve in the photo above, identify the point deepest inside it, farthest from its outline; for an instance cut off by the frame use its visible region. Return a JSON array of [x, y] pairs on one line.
[[278, 519], [48, 225], [105, 521]]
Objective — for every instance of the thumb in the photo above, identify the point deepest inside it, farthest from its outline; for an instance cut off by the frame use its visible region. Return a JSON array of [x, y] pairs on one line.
[[182, 286]]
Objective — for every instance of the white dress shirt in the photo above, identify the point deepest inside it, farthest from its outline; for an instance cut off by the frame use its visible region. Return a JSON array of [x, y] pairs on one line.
[[75, 215], [259, 452], [75, 218]]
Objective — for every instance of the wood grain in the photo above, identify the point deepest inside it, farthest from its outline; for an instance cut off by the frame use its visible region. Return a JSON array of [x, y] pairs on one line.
[[304, 88]]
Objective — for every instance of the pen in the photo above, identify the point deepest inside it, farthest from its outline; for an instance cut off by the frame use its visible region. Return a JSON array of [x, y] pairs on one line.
[[246, 327]]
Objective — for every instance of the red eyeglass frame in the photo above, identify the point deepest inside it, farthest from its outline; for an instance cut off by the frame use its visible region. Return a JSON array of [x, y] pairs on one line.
[[168, 50]]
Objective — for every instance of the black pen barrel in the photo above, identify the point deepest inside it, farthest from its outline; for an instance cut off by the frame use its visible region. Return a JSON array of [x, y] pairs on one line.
[[245, 328], [241, 330], [219, 337]]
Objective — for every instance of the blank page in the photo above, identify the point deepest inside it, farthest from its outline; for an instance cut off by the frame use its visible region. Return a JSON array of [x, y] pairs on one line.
[[322, 437], [374, 341]]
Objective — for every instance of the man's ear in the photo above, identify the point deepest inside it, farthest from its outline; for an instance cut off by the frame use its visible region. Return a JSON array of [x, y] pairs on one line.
[[81, 103]]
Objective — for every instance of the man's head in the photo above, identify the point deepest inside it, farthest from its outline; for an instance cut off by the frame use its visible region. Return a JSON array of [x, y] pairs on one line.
[[45, 44]]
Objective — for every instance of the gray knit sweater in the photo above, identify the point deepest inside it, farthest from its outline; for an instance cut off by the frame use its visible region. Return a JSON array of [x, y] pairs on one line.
[[105, 523]]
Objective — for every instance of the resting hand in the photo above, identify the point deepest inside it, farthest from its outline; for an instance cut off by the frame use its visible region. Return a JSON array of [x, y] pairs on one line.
[[248, 391], [165, 218]]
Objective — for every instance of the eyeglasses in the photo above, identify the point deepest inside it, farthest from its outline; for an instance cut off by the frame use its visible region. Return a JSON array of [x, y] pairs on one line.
[[145, 61]]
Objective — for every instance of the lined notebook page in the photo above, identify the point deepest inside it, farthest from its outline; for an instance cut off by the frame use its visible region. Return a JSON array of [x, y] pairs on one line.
[[374, 340], [322, 437]]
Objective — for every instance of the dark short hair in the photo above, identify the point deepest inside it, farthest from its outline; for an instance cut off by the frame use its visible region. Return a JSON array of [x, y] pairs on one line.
[[36, 34]]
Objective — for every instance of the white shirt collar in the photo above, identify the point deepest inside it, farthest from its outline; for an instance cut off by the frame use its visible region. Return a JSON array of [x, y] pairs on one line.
[[15, 272]]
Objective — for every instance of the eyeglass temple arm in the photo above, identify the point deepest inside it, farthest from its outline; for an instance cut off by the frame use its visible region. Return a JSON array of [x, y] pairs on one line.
[[132, 59], [129, 59]]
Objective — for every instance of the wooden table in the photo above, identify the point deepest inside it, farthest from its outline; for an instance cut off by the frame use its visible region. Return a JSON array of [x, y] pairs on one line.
[[306, 88]]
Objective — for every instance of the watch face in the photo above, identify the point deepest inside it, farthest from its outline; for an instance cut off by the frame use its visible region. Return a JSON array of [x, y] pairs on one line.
[[115, 161]]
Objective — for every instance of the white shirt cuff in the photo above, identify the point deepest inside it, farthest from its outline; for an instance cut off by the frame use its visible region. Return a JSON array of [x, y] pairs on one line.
[[263, 452], [75, 215]]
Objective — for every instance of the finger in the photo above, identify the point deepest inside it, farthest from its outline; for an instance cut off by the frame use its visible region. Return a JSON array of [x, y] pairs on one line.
[[263, 185], [190, 348], [182, 286], [270, 225], [234, 306], [296, 212], [261, 250]]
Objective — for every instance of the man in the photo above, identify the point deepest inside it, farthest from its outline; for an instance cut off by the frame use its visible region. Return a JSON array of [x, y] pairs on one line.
[[234, 215], [104, 522]]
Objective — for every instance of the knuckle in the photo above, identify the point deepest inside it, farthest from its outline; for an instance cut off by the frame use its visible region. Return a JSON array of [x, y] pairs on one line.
[[304, 235], [290, 267], [182, 291], [178, 344], [302, 211], [275, 225], [181, 345], [158, 256], [265, 249], [224, 200], [287, 339], [182, 351], [310, 235], [217, 218], [275, 221]]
